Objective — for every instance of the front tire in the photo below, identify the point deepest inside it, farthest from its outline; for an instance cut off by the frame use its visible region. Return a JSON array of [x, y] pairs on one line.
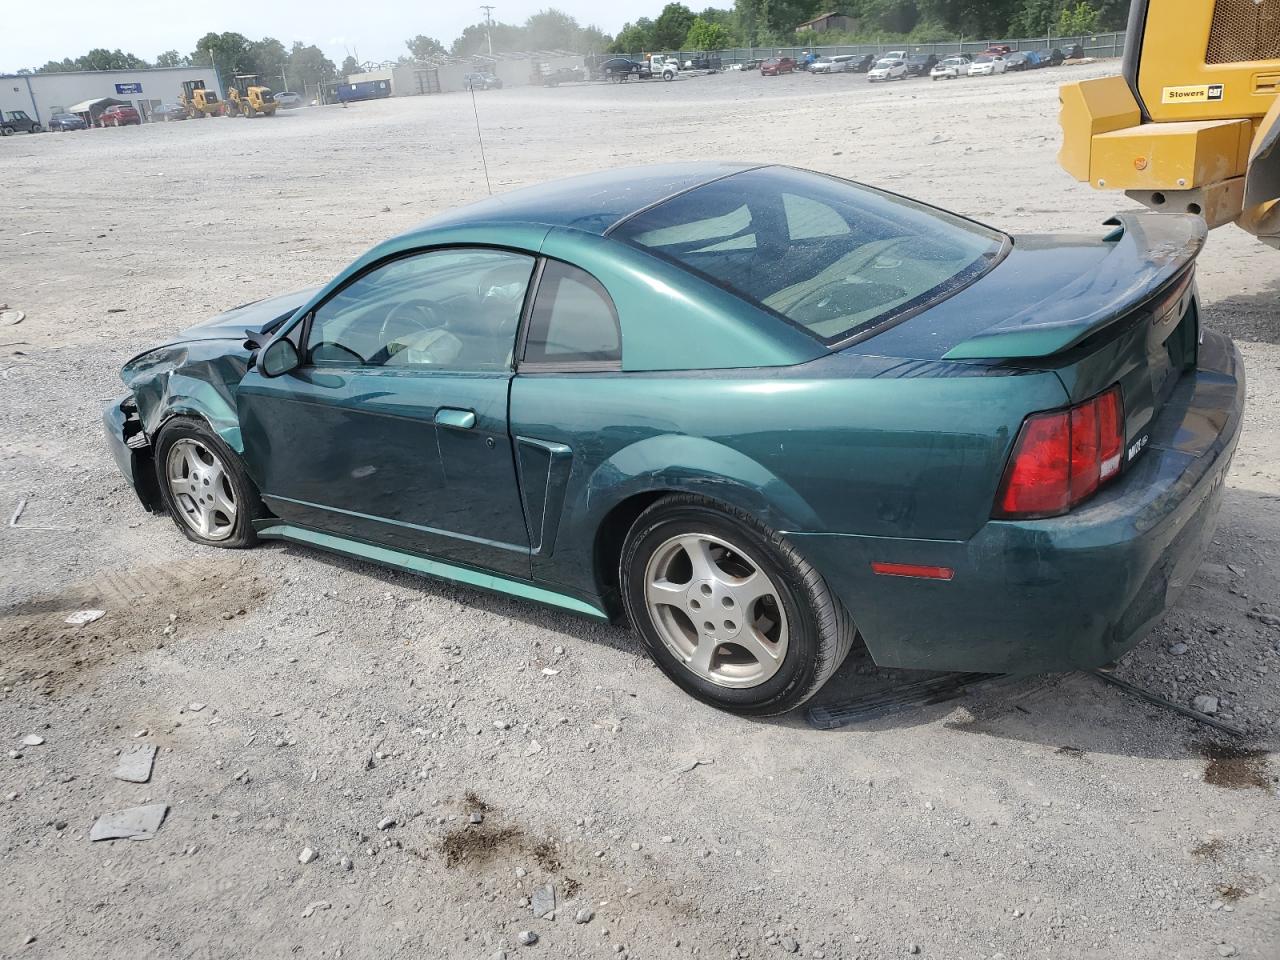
[[204, 486], [728, 609]]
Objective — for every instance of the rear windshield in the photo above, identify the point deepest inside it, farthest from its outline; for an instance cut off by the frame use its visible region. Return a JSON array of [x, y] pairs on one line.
[[833, 257]]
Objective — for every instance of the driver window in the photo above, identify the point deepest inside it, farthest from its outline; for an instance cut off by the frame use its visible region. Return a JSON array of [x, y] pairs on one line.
[[455, 309]]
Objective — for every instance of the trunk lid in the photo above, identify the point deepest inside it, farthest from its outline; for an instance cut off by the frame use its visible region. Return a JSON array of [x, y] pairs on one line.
[[1094, 311], [1139, 258]]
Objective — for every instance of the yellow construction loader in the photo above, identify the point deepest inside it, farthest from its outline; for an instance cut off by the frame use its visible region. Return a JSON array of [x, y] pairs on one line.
[[248, 98], [199, 102], [1192, 123]]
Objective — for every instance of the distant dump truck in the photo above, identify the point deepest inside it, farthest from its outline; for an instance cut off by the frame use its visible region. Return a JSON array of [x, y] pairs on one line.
[[199, 101]]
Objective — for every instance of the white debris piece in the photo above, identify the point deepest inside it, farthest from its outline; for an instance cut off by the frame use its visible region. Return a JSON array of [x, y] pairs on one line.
[[135, 764], [135, 823], [81, 617]]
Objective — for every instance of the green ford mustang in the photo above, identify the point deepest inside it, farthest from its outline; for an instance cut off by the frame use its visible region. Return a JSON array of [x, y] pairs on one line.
[[755, 411]]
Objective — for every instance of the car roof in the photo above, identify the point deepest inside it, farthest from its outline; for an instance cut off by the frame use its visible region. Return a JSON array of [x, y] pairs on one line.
[[592, 203]]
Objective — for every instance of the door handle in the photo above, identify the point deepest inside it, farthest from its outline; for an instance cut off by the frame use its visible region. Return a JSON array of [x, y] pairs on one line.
[[458, 419]]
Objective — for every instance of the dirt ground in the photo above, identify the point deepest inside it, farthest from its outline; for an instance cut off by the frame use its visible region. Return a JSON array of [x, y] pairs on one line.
[[1057, 818]]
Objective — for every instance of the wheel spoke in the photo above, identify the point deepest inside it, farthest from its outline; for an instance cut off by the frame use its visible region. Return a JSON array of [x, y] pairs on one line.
[[750, 589], [700, 662], [223, 504], [664, 591], [760, 648], [204, 518], [698, 550]]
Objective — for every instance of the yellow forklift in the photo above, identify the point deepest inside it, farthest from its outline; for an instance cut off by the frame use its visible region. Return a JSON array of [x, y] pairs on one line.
[[1191, 125], [199, 102], [248, 98]]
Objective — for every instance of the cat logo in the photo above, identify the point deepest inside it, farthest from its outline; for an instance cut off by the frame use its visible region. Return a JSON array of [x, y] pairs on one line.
[[1194, 93]]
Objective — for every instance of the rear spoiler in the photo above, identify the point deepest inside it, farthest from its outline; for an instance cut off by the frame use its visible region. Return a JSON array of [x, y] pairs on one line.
[[1149, 250]]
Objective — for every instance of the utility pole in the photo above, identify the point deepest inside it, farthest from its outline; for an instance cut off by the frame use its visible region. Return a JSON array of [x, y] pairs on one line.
[[284, 79], [488, 23]]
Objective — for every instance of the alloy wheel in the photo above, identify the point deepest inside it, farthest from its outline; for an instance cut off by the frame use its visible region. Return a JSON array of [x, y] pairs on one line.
[[201, 489], [716, 610]]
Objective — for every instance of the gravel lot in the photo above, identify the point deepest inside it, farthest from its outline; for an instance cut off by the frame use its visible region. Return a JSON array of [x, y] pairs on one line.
[[372, 717]]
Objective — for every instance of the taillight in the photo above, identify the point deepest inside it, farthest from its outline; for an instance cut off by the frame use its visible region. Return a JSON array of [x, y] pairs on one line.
[[1061, 458]]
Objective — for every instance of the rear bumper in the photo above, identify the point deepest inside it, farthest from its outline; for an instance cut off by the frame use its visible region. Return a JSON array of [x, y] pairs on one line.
[[131, 450], [1066, 593]]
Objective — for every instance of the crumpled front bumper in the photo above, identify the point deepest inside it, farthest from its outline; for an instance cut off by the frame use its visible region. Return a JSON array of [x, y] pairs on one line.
[[131, 449]]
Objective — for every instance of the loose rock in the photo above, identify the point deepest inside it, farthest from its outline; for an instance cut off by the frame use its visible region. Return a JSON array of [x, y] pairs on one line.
[[307, 855], [1205, 704], [32, 740], [527, 938], [544, 900], [585, 915]]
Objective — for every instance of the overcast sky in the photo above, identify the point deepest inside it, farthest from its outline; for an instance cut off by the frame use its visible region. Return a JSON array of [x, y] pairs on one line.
[[32, 34]]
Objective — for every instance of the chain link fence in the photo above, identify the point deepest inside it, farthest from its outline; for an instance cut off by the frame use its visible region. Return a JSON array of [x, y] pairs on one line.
[[1100, 45]]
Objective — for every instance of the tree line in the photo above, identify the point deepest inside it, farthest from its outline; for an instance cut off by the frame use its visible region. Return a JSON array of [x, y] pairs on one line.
[[234, 53], [760, 23], [231, 53], [676, 27]]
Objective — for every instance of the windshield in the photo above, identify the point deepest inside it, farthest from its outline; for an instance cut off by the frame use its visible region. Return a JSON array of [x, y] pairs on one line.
[[833, 257]]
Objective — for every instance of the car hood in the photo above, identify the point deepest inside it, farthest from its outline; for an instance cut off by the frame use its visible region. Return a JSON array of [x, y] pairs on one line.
[[258, 316], [1051, 292]]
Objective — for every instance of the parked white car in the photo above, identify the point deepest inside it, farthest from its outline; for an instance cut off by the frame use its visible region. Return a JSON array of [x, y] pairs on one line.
[[888, 69], [985, 66], [832, 64], [950, 68], [895, 55], [288, 100]]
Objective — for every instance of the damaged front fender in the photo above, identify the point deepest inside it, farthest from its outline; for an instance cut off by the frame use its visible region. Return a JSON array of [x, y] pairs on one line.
[[196, 379]]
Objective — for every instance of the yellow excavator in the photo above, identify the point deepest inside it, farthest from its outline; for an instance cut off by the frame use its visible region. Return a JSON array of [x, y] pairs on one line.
[[248, 98], [1192, 123], [199, 102]]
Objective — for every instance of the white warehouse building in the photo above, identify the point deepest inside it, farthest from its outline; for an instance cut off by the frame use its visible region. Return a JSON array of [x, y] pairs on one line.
[[41, 95]]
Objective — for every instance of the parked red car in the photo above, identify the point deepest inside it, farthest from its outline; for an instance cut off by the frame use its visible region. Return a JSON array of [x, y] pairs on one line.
[[776, 66], [120, 115]]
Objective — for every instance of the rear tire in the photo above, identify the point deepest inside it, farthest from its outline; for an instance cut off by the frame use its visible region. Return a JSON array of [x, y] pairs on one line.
[[204, 487], [768, 632]]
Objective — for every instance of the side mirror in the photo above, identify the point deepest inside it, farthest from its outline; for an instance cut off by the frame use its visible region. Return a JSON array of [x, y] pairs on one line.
[[280, 357]]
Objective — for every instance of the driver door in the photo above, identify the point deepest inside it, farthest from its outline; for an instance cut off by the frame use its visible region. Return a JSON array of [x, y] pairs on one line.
[[394, 428]]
